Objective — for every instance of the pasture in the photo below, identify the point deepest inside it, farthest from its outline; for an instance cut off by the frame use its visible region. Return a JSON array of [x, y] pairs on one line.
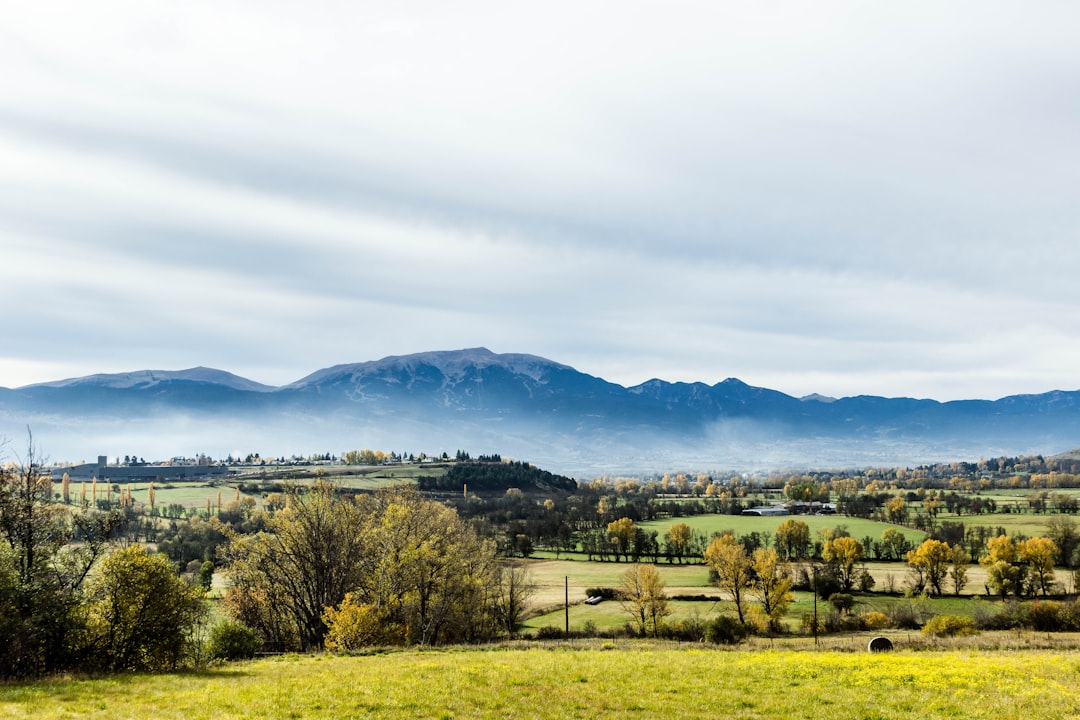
[[746, 524], [585, 681]]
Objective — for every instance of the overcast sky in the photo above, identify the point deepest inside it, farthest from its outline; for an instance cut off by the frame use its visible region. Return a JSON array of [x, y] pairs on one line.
[[833, 197]]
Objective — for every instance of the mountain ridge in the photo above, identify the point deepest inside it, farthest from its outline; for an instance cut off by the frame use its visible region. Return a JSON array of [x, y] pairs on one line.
[[531, 407]]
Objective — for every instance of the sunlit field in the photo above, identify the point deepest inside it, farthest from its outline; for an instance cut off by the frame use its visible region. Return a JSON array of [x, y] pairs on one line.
[[561, 682]]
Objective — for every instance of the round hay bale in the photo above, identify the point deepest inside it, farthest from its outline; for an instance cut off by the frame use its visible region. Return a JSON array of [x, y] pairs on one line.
[[880, 644]]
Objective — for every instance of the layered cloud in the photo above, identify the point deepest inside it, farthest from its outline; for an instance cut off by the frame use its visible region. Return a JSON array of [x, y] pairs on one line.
[[838, 198]]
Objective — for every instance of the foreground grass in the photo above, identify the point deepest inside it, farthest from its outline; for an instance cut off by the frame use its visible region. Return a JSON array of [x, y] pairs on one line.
[[559, 682]]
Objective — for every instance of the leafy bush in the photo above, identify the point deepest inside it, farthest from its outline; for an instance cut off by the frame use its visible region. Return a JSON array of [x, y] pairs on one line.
[[1053, 616], [949, 626], [353, 625], [1009, 616], [606, 593], [807, 624], [725, 630], [912, 613], [866, 581], [231, 640], [874, 620], [690, 629], [842, 602], [549, 632]]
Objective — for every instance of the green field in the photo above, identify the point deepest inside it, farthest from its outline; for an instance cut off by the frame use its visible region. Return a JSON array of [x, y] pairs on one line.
[[643, 681], [1014, 524], [746, 524]]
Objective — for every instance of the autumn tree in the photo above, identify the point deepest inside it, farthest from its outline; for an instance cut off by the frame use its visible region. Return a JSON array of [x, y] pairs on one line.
[[1038, 554], [140, 614], [641, 594], [930, 565], [961, 561], [896, 510], [894, 544], [678, 539], [307, 560], [622, 532], [1003, 573], [41, 570], [771, 584], [423, 575], [841, 555], [793, 539], [514, 588], [726, 557]]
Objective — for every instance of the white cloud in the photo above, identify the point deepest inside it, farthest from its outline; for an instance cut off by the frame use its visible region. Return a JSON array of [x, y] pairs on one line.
[[834, 198]]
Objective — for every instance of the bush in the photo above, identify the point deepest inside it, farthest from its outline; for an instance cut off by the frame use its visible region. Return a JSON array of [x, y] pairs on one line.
[[949, 626], [549, 632], [602, 592], [807, 624], [866, 581], [1010, 616], [842, 602], [910, 614], [690, 629], [874, 620], [1052, 616], [725, 630], [231, 640]]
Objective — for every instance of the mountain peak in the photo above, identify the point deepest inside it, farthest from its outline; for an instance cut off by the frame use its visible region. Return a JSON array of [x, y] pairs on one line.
[[142, 379]]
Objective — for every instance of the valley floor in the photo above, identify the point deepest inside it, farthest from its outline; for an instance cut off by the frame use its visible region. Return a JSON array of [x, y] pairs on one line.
[[589, 680]]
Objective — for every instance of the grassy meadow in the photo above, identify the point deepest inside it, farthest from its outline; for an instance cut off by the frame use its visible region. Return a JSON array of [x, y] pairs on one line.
[[595, 681], [746, 524]]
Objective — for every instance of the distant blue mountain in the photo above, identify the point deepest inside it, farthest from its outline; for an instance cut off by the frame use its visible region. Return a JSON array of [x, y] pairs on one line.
[[524, 406]]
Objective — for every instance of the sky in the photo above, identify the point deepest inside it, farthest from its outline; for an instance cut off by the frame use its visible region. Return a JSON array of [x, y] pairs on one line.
[[833, 197]]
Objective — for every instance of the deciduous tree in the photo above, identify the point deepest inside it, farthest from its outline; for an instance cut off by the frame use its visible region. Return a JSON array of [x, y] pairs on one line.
[[841, 555], [930, 565], [772, 583], [622, 532], [793, 539], [140, 613], [728, 561], [1039, 554], [677, 539], [642, 595], [1003, 575]]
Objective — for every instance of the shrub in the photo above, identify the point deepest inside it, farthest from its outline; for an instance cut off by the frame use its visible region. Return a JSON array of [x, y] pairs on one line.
[[842, 602], [353, 625], [606, 593], [912, 613], [690, 629], [807, 624], [949, 626], [874, 620], [549, 632], [757, 622], [725, 630], [1010, 616], [866, 581], [827, 585], [231, 640], [1049, 616]]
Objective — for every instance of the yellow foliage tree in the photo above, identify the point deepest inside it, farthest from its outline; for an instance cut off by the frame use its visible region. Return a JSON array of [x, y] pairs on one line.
[[842, 554], [930, 564], [727, 559], [1039, 554]]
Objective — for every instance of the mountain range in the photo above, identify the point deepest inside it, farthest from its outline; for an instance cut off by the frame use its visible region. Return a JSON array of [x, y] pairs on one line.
[[526, 407]]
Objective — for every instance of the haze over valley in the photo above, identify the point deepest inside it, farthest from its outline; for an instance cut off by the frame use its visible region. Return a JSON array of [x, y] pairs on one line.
[[527, 407]]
